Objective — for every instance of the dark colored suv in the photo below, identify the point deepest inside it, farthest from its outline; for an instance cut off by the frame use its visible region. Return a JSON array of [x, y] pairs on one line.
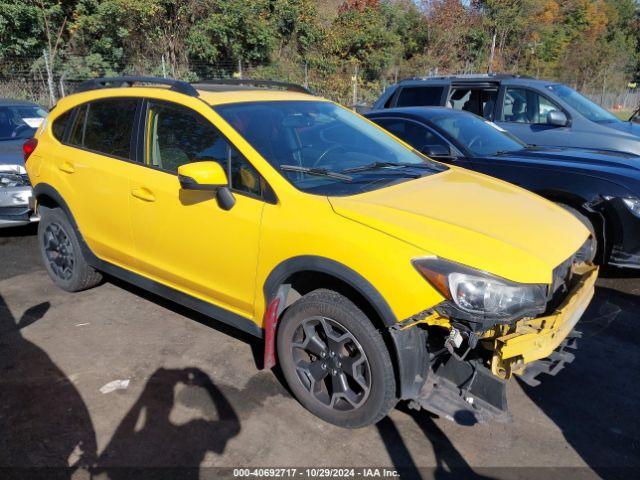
[[539, 112]]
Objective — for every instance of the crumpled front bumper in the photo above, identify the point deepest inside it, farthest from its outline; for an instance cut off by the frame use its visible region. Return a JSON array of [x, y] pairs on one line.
[[17, 206], [531, 340]]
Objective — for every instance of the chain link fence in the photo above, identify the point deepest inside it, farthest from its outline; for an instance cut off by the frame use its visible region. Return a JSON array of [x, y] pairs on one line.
[[44, 81]]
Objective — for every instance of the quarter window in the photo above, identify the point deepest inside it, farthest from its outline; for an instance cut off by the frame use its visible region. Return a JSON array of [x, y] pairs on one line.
[[419, 96], [177, 136], [526, 106], [59, 125]]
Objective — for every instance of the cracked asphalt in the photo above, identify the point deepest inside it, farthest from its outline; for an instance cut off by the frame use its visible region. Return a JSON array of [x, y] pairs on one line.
[[196, 398]]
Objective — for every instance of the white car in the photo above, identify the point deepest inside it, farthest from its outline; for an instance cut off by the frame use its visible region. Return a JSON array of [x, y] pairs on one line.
[[18, 122]]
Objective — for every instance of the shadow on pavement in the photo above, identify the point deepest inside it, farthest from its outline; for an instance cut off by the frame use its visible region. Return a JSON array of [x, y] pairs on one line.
[[43, 419], [179, 417], [595, 400], [449, 462]]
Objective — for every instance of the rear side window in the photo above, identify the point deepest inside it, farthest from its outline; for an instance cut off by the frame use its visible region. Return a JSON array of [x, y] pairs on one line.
[[106, 126], [59, 125], [419, 96]]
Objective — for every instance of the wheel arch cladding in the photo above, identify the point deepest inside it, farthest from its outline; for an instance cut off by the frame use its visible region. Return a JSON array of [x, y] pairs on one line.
[[307, 273]]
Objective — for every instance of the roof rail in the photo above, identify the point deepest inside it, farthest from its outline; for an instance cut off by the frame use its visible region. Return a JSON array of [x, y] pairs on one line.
[[469, 76], [104, 82], [293, 87]]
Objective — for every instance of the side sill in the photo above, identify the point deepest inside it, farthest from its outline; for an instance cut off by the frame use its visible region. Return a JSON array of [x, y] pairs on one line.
[[206, 308]]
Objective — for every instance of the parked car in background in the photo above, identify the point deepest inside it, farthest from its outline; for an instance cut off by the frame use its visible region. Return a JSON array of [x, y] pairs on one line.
[[601, 188], [18, 121], [298, 221], [538, 112]]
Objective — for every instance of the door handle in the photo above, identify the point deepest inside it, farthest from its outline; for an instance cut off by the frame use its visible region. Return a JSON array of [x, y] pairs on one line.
[[66, 167], [143, 194]]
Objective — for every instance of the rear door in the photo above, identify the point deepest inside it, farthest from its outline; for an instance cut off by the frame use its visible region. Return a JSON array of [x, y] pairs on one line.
[[93, 164]]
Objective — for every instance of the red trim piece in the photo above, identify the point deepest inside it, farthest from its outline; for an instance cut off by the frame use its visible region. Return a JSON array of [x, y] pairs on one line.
[[270, 324]]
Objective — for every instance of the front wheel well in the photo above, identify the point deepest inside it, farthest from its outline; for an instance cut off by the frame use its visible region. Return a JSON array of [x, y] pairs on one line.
[[304, 282], [596, 218], [47, 201]]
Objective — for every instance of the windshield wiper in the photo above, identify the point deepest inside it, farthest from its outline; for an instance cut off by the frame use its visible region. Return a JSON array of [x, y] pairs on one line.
[[321, 172], [379, 165]]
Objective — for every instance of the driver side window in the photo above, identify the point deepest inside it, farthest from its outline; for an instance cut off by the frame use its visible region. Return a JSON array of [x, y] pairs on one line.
[[526, 106], [177, 136]]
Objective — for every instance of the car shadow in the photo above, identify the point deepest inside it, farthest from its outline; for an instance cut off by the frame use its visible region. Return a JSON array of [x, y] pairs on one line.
[[254, 342], [450, 463], [44, 421], [594, 401], [152, 437]]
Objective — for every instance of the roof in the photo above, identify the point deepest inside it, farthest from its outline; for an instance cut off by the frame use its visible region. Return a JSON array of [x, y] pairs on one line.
[[422, 112], [478, 77], [222, 96]]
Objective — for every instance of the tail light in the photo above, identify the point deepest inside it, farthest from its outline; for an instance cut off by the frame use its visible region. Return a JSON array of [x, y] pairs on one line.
[[28, 147]]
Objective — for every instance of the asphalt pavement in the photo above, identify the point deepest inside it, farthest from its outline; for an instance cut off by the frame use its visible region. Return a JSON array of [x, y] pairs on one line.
[[117, 377]]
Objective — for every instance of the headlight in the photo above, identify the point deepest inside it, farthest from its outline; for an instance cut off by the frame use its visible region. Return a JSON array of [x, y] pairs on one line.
[[633, 204], [481, 293]]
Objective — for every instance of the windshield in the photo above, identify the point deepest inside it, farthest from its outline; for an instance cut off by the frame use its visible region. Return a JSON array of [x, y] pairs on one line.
[[582, 104], [323, 148], [477, 135], [19, 121]]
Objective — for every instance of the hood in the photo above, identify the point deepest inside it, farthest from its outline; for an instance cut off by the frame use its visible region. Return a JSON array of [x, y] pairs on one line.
[[472, 219], [579, 157], [625, 127], [11, 157]]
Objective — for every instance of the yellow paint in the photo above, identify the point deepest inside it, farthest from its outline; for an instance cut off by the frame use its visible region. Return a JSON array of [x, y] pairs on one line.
[[138, 218], [537, 338]]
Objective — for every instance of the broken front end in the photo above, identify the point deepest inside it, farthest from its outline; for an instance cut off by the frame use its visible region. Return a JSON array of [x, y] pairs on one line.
[[456, 362]]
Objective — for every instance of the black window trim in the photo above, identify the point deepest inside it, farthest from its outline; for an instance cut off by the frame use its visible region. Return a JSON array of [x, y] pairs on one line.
[[85, 106], [268, 194], [503, 94]]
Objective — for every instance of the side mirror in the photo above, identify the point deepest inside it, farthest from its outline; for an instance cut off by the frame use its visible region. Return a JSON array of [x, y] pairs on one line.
[[208, 176], [557, 118], [437, 151]]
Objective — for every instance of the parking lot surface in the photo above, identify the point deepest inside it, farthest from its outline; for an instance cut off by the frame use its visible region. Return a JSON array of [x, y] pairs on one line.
[[114, 376]]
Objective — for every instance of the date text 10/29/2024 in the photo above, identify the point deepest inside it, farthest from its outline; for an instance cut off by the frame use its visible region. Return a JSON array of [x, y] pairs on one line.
[[319, 472]]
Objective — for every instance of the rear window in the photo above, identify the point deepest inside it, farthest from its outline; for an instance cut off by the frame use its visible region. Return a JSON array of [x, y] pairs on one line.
[[106, 127], [419, 96]]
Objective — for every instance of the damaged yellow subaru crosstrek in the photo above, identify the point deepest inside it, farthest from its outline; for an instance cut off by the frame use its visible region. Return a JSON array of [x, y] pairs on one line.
[[374, 273]]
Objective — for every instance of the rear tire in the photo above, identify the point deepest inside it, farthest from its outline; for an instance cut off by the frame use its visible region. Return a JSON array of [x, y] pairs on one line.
[[591, 255], [61, 253], [334, 360]]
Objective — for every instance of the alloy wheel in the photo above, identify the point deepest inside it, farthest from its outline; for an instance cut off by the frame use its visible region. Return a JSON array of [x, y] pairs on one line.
[[331, 364], [58, 251]]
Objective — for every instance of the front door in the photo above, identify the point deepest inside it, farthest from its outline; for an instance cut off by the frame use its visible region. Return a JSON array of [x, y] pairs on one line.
[[183, 238]]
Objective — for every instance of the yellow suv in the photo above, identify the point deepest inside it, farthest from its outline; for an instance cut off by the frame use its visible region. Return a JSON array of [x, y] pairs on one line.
[[373, 273]]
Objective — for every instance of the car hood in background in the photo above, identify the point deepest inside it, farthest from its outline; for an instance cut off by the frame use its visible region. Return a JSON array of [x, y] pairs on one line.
[[626, 127], [11, 156], [472, 219], [582, 156]]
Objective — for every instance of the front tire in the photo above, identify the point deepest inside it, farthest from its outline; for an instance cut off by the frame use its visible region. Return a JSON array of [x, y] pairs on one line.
[[61, 253], [334, 360]]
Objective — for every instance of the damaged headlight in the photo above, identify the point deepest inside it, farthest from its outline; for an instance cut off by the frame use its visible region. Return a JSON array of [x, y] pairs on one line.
[[481, 293], [633, 204]]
